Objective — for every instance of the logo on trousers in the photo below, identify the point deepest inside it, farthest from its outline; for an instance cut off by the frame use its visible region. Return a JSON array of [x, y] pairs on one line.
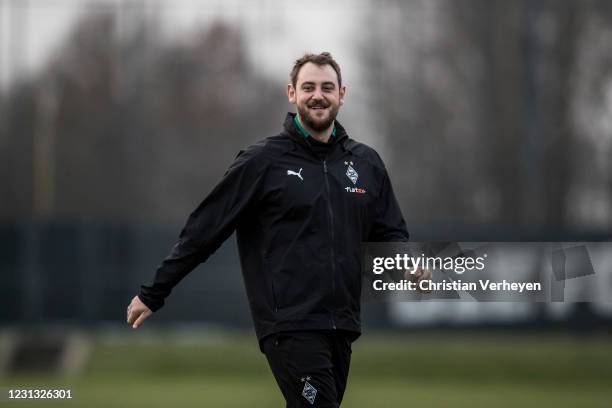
[[309, 392]]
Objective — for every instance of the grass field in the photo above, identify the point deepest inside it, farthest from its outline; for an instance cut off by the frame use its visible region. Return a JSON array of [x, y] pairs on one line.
[[441, 370]]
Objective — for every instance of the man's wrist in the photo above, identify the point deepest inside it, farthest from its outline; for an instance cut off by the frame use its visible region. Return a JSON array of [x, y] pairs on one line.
[[153, 304]]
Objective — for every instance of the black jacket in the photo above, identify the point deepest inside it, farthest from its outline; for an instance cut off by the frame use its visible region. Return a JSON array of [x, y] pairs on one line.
[[299, 222]]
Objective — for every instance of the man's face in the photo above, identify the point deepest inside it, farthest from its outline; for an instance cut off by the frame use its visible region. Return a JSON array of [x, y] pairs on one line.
[[317, 96]]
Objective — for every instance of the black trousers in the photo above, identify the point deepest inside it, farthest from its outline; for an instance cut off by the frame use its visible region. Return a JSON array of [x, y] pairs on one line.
[[310, 367]]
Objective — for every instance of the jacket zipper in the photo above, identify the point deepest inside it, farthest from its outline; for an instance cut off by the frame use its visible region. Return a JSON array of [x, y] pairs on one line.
[[274, 297], [331, 229]]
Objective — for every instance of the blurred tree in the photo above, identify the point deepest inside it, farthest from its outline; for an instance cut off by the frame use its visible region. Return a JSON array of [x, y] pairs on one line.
[[16, 123], [426, 80], [590, 195], [124, 124], [477, 100]]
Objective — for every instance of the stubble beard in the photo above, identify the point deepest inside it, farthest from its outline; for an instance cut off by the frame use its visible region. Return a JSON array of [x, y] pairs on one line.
[[318, 125]]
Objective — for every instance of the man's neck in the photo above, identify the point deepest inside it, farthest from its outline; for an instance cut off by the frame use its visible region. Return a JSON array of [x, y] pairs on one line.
[[322, 136]]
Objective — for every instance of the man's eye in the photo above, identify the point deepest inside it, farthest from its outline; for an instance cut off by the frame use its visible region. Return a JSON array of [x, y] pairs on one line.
[[307, 88]]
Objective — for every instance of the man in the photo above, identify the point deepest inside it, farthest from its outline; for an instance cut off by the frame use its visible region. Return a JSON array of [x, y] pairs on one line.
[[301, 203]]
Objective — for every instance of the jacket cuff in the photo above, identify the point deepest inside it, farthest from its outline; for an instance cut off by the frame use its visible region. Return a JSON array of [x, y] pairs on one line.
[[149, 301]]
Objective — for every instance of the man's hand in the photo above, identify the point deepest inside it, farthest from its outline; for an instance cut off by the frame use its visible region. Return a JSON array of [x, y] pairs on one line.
[[419, 275], [137, 312]]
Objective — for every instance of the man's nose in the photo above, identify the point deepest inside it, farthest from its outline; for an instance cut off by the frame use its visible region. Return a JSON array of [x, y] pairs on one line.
[[318, 94]]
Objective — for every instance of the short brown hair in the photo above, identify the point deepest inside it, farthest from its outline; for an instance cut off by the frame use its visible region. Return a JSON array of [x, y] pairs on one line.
[[321, 59]]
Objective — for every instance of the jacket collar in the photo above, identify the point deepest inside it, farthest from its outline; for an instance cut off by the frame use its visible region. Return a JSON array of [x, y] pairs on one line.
[[341, 137]]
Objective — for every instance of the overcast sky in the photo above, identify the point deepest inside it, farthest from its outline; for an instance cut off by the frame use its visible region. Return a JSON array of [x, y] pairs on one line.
[[277, 31]]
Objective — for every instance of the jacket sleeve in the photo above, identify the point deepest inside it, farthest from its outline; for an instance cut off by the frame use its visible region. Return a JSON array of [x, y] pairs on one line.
[[388, 224], [211, 223]]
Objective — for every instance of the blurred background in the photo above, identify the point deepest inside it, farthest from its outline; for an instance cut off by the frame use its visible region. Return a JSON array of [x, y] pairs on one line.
[[117, 117]]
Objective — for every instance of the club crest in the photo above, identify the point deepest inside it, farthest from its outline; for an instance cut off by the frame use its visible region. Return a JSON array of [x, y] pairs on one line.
[[351, 173], [309, 392]]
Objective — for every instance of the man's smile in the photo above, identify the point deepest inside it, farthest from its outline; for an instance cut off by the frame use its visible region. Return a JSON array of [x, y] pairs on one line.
[[318, 108]]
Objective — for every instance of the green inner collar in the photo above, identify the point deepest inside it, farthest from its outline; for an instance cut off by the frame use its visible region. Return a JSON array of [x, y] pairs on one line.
[[304, 132]]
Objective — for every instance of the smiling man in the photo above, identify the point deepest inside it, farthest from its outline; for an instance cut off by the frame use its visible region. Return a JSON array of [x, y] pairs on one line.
[[301, 203]]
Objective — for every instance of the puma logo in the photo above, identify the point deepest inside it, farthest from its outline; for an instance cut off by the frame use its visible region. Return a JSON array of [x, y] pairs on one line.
[[293, 173]]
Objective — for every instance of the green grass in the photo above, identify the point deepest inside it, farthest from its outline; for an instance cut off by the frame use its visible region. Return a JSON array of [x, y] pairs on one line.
[[387, 371]]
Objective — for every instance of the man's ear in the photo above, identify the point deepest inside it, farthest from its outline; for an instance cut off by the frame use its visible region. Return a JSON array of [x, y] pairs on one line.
[[291, 93], [342, 94]]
